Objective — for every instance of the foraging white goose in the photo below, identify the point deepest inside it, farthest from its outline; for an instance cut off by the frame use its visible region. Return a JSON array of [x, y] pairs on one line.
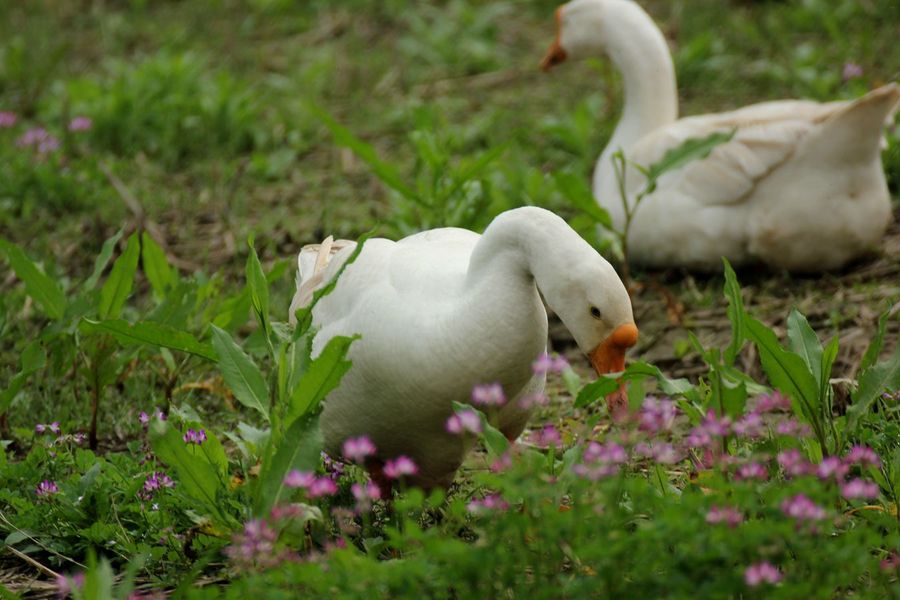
[[800, 186], [444, 310]]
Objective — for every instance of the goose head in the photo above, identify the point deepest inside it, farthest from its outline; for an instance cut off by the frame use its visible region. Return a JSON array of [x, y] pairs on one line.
[[588, 28]]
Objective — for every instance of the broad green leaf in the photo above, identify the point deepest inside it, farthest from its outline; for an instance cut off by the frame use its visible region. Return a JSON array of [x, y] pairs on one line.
[[197, 476], [805, 343], [576, 190], [735, 313], [885, 376], [46, 292], [102, 260], [877, 343], [299, 449], [734, 397], [688, 151], [596, 390], [365, 152], [829, 354], [233, 312], [240, 373], [786, 371], [33, 360], [259, 289], [494, 439], [152, 333], [117, 288], [672, 387], [323, 375], [156, 266]]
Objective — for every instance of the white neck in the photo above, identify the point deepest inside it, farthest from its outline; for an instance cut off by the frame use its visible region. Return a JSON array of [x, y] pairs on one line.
[[639, 51]]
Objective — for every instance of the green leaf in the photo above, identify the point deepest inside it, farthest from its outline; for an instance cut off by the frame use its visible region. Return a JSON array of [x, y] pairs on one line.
[[596, 390], [735, 313], [46, 292], [156, 266], [117, 288], [102, 260], [259, 290], [197, 476], [877, 343], [323, 375], [33, 360], [785, 370], [152, 333], [365, 152], [805, 343], [828, 357], [734, 397], [672, 387], [240, 373], [688, 151], [575, 189], [299, 449], [885, 376], [494, 439]]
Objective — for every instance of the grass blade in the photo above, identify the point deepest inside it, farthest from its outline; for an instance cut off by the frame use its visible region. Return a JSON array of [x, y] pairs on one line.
[[156, 266], [38, 285], [117, 288]]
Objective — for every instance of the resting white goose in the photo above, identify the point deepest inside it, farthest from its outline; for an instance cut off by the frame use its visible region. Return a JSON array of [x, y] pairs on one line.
[[444, 310], [800, 186]]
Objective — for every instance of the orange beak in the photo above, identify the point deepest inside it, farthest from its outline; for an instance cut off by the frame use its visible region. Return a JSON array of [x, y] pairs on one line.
[[555, 54], [609, 357]]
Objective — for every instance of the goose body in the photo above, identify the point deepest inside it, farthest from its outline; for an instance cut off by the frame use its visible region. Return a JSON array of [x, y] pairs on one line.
[[447, 309], [800, 185]]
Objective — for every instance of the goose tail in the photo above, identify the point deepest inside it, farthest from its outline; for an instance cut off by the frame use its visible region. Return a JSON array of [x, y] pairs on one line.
[[312, 262]]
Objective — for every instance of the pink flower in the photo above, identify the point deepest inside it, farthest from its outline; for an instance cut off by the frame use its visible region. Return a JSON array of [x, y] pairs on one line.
[[730, 516], [46, 488], [750, 425], [802, 508], [144, 418], [711, 427], [358, 448], [891, 563], [490, 394], [859, 488], [399, 467], [793, 463], [549, 364], [156, 481], [714, 425], [661, 452], [595, 473], [793, 428], [299, 479], [609, 453], [862, 455], [334, 468], [763, 572], [365, 494], [529, 401], [490, 502], [464, 421], [546, 437], [502, 463], [66, 585], [52, 428], [832, 466], [194, 437], [40, 138], [657, 415], [254, 547], [752, 470], [7, 119], [80, 124], [776, 401], [851, 71], [322, 486]]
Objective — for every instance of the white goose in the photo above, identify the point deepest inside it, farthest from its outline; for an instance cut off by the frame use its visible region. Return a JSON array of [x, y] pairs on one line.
[[800, 186], [444, 310]]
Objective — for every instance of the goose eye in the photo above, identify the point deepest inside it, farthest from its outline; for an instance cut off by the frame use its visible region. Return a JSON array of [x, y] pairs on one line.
[[595, 312]]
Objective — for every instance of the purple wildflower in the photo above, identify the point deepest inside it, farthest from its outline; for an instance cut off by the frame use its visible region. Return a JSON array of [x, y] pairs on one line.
[[891, 563], [365, 494], [358, 448], [399, 467], [714, 425], [299, 479], [657, 415], [862, 455], [80, 124], [158, 480], [802, 508], [489, 394], [750, 425], [334, 468], [464, 421], [503, 462], [66, 585], [254, 547], [752, 470], [793, 463], [595, 473], [726, 514], [851, 70], [490, 502], [859, 488], [322, 486], [609, 453], [79, 438], [793, 428], [144, 418], [763, 572], [195, 437], [549, 364], [46, 488], [832, 466], [7, 119], [776, 401], [546, 437], [661, 452]]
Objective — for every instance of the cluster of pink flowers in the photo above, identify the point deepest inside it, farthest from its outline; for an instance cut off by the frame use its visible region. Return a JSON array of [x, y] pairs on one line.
[[600, 460], [834, 468], [724, 514], [752, 471], [365, 494], [545, 437], [774, 402], [657, 415], [42, 428], [358, 449], [194, 436], [156, 481], [490, 394], [760, 573], [546, 363], [39, 138], [663, 453], [316, 487], [255, 547], [7, 119], [333, 468], [464, 421], [46, 488], [491, 502], [800, 507], [402, 466], [80, 124], [144, 418]]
